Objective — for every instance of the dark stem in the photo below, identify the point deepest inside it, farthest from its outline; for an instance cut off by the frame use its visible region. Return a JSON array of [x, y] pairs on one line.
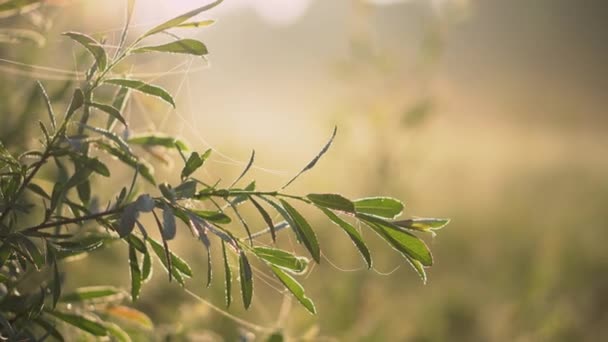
[[74, 220]]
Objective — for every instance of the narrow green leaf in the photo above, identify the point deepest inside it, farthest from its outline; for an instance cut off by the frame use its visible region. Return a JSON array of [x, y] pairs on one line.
[[18, 36], [168, 223], [49, 107], [13, 5], [144, 88], [144, 203], [251, 159], [353, 234], [130, 315], [306, 233], [186, 190], [144, 169], [332, 201], [146, 267], [117, 332], [295, 288], [38, 190], [196, 24], [120, 100], [178, 263], [75, 104], [127, 220], [113, 112], [400, 239], [282, 259], [418, 267], [94, 293], [157, 140], [179, 19], [265, 216], [183, 46], [386, 207], [84, 191], [314, 161], [93, 46], [423, 224], [246, 279], [136, 277], [32, 251], [81, 323], [49, 328], [227, 275], [194, 162], [212, 216]]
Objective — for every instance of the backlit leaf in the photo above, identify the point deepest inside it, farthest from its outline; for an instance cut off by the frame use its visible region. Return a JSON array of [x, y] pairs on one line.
[[144, 88], [332, 201], [92, 45], [308, 236], [386, 207], [246, 280], [295, 288], [184, 46]]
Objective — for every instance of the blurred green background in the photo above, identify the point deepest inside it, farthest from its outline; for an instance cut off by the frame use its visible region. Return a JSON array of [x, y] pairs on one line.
[[489, 112]]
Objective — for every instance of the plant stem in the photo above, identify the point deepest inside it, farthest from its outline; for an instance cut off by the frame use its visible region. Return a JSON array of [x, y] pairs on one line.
[[74, 220]]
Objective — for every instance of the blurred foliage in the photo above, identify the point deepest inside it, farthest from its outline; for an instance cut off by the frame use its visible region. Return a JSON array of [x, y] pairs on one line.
[[52, 214]]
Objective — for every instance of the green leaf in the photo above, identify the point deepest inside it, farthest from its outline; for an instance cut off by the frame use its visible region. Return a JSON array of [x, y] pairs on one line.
[[157, 140], [94, 293], [194, 162], [423, 224], [266, 217], [196, 24], [34, 254], [247, 167], [246, 279], [113, 112], [281, 258], [130, 160], [13, 5], [178, 263], [417, 265], [84, 191], [93, 46], [186, 190], [136, 277], [212, 216], [18, 36], [168, 223], [179, 19], [144, 88], [332, 201], [353, 234], [305, 232], [146, 267], [401, 240], [119, 102], [295, 288], [38, 190], [127, 220], [228, 276], [49, 107], [386, 207], [314, 161], [130, 315], [184, 46], [81, 323], [117, 332], [144, 203], [75, 104]]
